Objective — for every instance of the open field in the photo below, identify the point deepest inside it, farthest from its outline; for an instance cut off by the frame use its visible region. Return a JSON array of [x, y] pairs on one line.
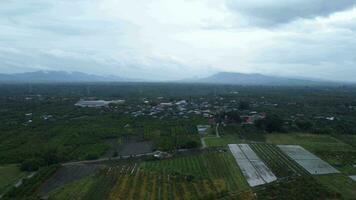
[[75, 190], [309, 161], [349, 139], [221, 141], [339, 183], [9, 175], [311, 142], [296, 188], [67, 174], [252, 167]]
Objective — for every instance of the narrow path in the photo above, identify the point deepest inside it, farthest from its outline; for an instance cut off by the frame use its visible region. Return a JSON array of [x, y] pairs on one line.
[[217, 130], [107, 159], [203, 145]]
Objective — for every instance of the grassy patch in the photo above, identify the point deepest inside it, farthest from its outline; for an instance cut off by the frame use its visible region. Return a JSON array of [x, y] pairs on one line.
[[339, 183], [349, 139], [301, 187], [75, 190], [311, 142], [9, 175], [221, 141]]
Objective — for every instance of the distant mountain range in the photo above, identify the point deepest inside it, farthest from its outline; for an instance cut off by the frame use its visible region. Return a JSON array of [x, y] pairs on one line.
[[57, 76], [219, 78], [258, 79]]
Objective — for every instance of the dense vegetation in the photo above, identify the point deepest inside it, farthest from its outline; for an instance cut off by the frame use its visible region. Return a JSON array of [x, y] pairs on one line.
[[41, 127]]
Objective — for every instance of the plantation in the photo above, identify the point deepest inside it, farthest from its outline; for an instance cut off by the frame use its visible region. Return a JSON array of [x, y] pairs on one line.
[[130, 181], [214, 165]]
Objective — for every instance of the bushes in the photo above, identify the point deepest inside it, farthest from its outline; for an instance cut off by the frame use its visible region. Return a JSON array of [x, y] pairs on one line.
[[29, 186], [272, 123], [32, 164]]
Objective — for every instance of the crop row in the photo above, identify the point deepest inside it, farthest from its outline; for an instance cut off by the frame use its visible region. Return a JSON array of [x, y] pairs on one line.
[[205, 176], [123, 184], [215, 165], [279, 163]]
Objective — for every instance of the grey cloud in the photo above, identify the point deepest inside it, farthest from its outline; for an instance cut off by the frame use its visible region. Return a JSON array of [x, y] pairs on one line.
[[274, 12]]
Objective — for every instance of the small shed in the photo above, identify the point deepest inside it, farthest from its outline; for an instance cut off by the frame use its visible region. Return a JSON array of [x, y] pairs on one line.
[[203, 129]]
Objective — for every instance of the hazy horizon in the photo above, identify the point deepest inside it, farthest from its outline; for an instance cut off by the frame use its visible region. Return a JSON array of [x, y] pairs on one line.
[[161, 40]]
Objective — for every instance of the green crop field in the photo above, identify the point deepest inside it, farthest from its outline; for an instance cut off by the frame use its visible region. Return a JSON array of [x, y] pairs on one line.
[[339, 183], [9, 175], [215, 165], [133, 181], [221, 141], [349, 139], [333, 150], [311, 142], [280, 164], [75, 190]]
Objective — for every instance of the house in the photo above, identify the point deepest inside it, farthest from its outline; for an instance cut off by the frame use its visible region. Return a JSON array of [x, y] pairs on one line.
[[203, 129], [92, 103], [97, 103], [166, 104], [251, 119], [181, 103]]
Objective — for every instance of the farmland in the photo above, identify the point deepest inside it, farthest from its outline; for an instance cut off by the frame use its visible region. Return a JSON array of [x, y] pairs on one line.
[[221, 141], [215, 165], [9, 175], [339, 183], [311, 142], [135, 181], [309, 161], [281, 165], [43, 129], [252, 167]]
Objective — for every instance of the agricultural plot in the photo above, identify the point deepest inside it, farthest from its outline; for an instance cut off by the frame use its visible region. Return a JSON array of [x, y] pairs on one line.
[[130, 181], [9, 175], [67, 174], [280, 164], [212, 165], [312, 142], [307, 160], [338, 183], [252, 167], [221, 141]]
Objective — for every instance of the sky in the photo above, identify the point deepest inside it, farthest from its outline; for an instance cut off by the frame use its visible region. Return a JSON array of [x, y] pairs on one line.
[[177, 39]]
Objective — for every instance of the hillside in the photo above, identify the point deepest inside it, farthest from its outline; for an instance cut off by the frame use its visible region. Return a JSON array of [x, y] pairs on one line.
[[56, 76], [257, 79]]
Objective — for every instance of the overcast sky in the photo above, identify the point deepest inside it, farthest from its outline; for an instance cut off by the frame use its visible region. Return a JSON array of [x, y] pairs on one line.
[[174, 39]]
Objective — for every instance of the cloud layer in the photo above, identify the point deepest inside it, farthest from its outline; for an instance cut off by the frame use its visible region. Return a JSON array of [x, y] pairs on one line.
[[159, 39]]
